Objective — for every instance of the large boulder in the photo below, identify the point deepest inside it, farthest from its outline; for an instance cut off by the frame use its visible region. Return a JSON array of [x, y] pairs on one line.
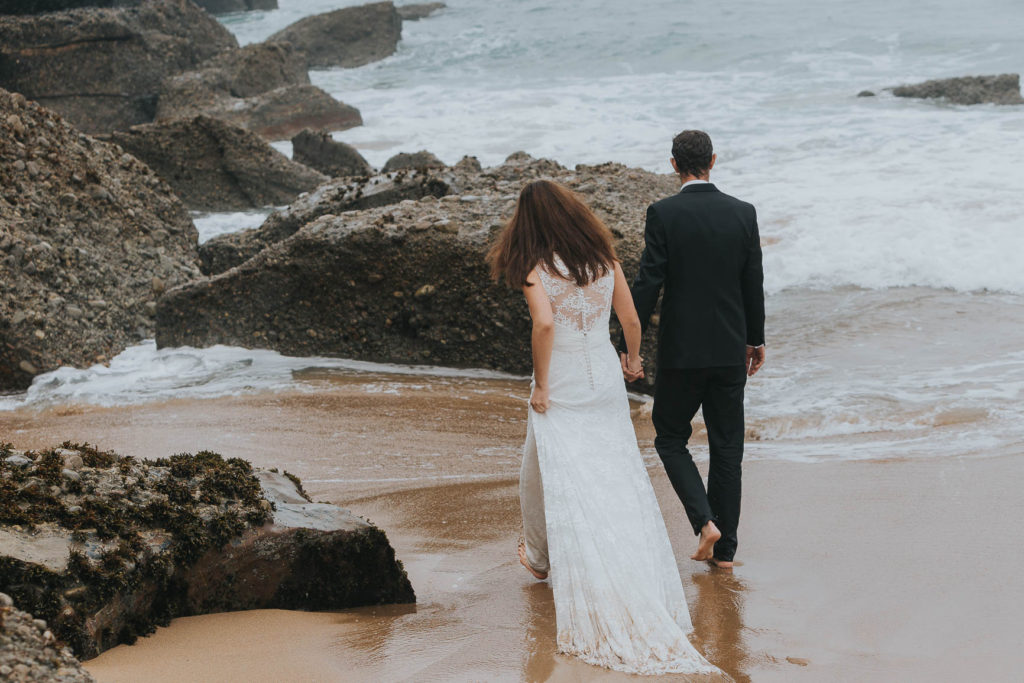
[[405, 283], [420, 159], [44, 6], [263, 87], [89, 236], [226, 6], [317, 149], [335, 197], [105, 548], [214, 166], [420, 10], [1002, 89], [102, 68], [29, 651], [347, 37]]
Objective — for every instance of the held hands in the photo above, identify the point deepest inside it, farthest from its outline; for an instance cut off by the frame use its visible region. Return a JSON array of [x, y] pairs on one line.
[[755, 359], [539, 399], [632, 368]]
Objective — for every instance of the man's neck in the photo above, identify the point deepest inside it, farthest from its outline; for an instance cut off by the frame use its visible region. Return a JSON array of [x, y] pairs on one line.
[[683, 179]]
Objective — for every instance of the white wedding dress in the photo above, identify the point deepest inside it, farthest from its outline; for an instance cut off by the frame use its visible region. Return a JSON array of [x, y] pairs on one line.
[[619, 601]]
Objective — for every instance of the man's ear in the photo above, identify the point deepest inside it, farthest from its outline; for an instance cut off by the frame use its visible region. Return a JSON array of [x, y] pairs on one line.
[[714, 157], [674, 166]]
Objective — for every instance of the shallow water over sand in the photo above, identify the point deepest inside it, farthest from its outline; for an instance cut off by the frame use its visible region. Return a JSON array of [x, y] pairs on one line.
[[880, 504]]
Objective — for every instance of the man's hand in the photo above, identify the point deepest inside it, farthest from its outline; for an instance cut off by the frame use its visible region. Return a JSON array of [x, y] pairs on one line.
[[633, 372], [539, 399], [755, 359]]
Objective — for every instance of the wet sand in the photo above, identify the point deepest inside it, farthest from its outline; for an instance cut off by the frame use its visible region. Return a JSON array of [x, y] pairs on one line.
[[897, 569]]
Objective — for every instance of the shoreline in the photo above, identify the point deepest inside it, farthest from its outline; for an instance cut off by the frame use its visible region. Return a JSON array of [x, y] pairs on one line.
[[842, 600]]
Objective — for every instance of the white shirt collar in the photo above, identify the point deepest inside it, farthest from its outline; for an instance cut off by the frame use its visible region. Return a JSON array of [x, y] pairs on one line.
[[695, 181]]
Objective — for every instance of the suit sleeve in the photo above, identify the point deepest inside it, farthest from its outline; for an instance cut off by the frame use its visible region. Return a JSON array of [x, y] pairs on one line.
[[753, 289], [651, 275]]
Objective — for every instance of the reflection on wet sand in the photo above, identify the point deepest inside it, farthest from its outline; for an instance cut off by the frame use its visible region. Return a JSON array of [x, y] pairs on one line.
[[718, 621]]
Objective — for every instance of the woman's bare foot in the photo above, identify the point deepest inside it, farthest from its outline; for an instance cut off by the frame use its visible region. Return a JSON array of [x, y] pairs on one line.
[[720, 564], [540, 576], [709, 535]]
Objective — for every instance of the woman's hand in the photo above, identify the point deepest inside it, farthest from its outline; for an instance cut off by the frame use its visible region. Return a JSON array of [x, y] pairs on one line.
[[632, 367], [539, 399]]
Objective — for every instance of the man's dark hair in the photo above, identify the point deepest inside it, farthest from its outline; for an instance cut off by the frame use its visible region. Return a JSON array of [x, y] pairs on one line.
[[692, 151]]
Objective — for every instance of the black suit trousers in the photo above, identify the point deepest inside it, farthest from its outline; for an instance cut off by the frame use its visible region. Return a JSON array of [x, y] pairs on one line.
[[678, 393]]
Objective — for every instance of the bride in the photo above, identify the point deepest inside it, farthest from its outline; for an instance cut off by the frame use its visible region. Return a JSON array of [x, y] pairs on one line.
[[590, 516]]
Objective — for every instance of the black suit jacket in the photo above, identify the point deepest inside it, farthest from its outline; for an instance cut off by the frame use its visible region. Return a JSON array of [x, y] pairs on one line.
[[703, 247]]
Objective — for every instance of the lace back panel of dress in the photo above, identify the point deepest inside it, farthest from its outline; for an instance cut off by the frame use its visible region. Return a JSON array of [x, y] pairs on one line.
[[574, 307]]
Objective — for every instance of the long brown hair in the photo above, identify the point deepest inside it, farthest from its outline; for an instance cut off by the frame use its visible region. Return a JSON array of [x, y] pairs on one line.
[[550, 219]]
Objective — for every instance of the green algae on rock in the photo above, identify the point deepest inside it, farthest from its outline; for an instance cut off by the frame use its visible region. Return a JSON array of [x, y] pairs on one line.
[[105, 547]]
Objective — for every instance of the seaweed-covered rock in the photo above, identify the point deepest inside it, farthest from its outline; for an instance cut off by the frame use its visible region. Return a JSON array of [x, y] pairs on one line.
[[130, 544], [334, 197], [419, 10], [30, 652], [1002, 89], [263, 87], [226, 6], [420, 159], [404, 283], [102, 67], [317, 149], [214, 166], [347, 37], [89, 236]]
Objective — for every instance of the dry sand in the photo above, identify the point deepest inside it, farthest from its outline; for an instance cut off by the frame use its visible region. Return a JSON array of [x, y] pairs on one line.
[[904, 569]]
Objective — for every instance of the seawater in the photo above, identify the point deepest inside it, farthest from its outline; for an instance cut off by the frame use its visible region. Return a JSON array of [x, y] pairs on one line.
[[893, 228], [874, 192]]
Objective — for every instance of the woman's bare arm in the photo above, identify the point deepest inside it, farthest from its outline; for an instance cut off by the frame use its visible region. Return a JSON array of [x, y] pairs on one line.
[[542, 339], [625, 311]]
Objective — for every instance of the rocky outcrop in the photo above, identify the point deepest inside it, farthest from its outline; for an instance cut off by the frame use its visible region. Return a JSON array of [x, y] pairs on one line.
[[335, 197], [29, 651], [420, 10], [105, 548], [214, 166], [421, 159], [317, 149], [347, 37], [102, 68], [1002, 89], [263, 87], [43, 6], [226, 6], [405, 283], [89, 237]]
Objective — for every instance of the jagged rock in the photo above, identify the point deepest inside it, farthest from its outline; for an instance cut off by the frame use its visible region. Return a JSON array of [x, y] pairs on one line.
[[1002, 89], [418, 11], [334, 197], [84, 229], [135, 543], [247, 71], [215, 166], [421, 159], [43, 6], [317, 149], [353, 277], [263, 87], [225, 6], [347, 37], [102, 68], [280, 114], [29, 651]]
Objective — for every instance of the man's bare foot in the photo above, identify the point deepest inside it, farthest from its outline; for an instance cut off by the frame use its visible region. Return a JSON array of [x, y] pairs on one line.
[[709, 535], [540, 576]]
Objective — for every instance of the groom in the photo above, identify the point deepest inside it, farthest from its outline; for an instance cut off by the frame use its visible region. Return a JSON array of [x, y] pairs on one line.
[[703, 248]]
